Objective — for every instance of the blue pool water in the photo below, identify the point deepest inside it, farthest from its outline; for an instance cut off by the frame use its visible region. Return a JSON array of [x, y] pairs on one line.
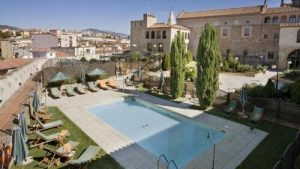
[[158, 130]]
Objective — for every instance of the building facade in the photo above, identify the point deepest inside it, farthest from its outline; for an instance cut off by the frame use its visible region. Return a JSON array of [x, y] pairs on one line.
[[65, 39], [43, 41], [255, 34], [148, 35], [6, 50]]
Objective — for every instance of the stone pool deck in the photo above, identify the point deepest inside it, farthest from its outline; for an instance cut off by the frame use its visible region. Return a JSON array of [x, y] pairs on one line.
[[230, 152]]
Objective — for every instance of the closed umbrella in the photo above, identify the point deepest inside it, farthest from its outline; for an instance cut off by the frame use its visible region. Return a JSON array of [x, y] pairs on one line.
[[36, 101], [161, 80], [19, 150], [82, 76], [23, 125], [59, 77], [243, 98], [96, 72]]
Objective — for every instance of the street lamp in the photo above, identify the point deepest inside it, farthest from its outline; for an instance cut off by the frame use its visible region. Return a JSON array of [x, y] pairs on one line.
[[236, 60]]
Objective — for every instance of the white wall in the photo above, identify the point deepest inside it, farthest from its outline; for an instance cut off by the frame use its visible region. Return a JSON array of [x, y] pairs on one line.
[[288, 37], [9, 83]]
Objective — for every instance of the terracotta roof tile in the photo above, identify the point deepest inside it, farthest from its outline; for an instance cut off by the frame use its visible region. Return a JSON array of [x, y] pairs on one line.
[[236, 11], [221, 12], [12, 63]]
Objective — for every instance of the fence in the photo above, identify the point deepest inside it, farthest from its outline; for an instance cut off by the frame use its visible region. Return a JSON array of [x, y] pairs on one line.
[[290, 155]]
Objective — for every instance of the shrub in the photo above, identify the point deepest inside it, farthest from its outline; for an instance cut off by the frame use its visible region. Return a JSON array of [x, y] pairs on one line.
[[83, 59], [93, 60], [295, 91], [255, 90], [269, 89], [166, 64], [243, 68], [188, 57], [190, 74]]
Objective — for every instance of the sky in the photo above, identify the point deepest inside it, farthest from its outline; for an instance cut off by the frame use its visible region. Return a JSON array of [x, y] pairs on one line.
[[113, 15]]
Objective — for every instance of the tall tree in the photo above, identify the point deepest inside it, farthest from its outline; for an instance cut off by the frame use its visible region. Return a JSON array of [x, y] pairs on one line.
[[166, 62], [208, 65], [178, 50]]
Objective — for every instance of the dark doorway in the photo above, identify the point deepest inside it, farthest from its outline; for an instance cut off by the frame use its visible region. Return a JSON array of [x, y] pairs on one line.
[[294, 59]]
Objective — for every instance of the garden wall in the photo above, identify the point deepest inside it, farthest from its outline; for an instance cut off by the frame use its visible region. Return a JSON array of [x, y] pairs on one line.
[[74, 71]]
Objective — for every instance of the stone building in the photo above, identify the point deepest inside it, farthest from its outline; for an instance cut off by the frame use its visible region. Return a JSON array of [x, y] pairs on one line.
[[6, 50], [148, 35], [255, 34]]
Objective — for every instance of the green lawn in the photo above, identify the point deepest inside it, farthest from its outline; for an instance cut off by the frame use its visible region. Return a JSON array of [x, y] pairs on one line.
[[105, 162], [265, 155]]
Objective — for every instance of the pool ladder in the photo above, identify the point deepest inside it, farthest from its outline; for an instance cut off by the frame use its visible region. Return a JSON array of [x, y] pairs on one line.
[[167, 161]]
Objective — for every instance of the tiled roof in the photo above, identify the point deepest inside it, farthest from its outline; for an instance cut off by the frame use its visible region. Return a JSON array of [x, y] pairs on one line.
[[12, 63], [220, 12], [282, 10], [236, 11], [165, 25]]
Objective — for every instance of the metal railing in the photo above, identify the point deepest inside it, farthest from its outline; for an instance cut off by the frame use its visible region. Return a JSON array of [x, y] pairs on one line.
[[167, 161]]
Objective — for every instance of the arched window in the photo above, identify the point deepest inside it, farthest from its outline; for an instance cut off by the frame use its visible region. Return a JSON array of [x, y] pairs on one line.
[[147, 35], [152, 35], [157, 34], [267, 20], [275, 19], [164, 35], [283, 19], [298, 36], [185, 35], [292, 19]]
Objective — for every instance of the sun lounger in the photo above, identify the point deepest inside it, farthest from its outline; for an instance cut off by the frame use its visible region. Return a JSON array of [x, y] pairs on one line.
[[90, 154], [50, 125], [230, 107], [81, 89], [57, 154], [44, 116], [42, 138], [70, 91], [102, 85], [256, 115], [112, 83], [92, 87], [55, 92]]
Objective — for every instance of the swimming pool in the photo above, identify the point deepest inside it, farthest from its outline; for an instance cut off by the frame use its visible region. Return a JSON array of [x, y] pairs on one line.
[[158, 130]]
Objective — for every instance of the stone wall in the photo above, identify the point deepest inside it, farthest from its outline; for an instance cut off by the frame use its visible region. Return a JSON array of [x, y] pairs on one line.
[[14, 79], [74, 71]]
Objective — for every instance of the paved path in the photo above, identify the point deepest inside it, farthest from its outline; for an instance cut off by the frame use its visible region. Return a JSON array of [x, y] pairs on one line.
[[239, 141]]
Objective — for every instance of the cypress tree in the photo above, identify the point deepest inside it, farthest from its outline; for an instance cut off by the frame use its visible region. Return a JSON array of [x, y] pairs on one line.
[[208, 65], [166, 62], [177, 65]]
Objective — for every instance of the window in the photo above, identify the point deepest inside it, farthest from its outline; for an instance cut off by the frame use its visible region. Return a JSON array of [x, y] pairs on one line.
[[275, 19], [247, 32], [147, 35], [267, 20], [141, 23], [283, 19], [275, 35], [149, 47], [245, 53], [247, 22], [265, 36], [160, 47], [292, 19], [157, 34], [188, 36], [185, 35], [152, 35], [270, 55], [225, 23], [228, 51], [164, 35], [224, 32], [298, 36]]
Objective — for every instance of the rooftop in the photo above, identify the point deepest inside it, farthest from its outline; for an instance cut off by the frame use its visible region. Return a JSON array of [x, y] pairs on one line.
[[13, 63], [165, 25], [236, 11]]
